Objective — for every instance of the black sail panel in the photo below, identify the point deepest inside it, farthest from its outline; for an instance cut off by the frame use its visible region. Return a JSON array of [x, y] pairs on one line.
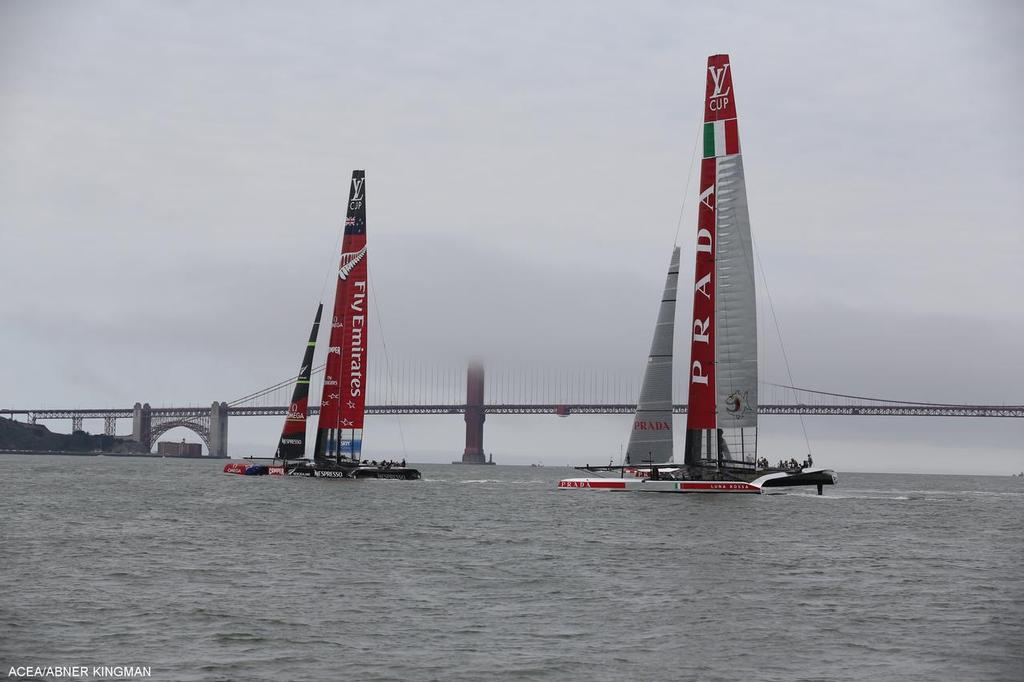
[[293, 436]]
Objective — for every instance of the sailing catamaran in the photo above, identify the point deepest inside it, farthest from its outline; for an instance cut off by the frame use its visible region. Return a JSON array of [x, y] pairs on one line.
[[720, 452], [339, 437]]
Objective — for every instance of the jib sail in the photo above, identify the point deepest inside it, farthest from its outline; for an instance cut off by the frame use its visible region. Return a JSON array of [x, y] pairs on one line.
[[293, 436], [650, 441]]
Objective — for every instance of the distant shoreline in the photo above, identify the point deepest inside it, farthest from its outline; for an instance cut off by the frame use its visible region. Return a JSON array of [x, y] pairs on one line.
[[150, 455]]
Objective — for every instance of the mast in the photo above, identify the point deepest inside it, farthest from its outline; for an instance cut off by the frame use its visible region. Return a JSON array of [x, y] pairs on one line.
[[721, 423], [650, 441], [340, 426], [293, 436]]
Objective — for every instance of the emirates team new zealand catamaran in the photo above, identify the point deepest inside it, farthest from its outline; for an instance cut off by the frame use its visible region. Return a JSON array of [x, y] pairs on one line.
[[339, 436], [720, 452]]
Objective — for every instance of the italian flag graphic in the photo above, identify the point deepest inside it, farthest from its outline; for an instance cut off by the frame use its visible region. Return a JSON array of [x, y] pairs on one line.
[[721, 138]]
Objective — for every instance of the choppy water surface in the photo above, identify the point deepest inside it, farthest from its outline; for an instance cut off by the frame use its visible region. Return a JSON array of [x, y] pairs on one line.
[[483, 572]]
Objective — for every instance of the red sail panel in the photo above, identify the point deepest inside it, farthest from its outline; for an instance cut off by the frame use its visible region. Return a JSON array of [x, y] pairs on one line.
[[353, 330], [719, 99], [700, 411], [343, 400]]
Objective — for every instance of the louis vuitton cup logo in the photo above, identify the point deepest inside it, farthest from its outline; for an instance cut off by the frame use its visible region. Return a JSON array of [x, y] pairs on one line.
[[358, 187], [719, 98]]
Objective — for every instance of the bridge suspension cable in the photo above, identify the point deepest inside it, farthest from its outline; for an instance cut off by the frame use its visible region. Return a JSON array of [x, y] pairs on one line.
[[270, 389], [861, 397]]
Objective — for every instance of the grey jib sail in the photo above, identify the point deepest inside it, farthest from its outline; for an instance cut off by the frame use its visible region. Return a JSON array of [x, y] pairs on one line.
[[651, 438]]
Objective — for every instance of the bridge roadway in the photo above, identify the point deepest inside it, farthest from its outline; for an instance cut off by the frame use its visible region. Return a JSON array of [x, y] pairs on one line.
[[880, 410]]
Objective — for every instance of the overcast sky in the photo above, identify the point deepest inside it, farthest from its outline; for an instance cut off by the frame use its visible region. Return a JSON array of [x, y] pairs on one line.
[[173, 178]]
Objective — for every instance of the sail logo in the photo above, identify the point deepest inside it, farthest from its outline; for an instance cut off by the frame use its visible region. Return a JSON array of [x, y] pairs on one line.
[[335, 350], [357, 345], [736, 403], [356, 201], [651, 426], [719, 99], [349, 262]]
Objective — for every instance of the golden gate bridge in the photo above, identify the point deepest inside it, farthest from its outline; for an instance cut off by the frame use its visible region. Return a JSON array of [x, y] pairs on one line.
[[416, 388]]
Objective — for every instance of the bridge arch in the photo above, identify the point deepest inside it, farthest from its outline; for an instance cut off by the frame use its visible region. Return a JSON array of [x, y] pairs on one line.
[[196, 426]]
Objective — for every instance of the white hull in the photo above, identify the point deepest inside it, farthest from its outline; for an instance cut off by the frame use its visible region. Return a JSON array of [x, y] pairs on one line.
[[647, 485], [638, 484]]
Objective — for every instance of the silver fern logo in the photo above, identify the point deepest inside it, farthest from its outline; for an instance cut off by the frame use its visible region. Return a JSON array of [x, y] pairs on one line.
[[349, 262]]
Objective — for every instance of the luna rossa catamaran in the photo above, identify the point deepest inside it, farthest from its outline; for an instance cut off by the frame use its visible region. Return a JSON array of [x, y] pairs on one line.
[[720, 445], [337, 451]]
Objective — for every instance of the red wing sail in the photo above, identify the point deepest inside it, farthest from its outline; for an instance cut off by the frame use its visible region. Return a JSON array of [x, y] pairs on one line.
[[700, 410], [293, 437], [339, 431], [720, 138]]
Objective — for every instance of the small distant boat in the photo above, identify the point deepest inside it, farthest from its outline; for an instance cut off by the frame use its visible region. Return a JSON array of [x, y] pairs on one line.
[[339, 437], [721, 423]]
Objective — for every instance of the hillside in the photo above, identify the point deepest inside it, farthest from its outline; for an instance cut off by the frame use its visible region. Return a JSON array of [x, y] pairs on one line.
[[36, 437]]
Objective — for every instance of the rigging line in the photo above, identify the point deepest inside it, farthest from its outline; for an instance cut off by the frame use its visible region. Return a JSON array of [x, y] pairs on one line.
[[689, 178], [387, 357], [778, 331], [335, 255]]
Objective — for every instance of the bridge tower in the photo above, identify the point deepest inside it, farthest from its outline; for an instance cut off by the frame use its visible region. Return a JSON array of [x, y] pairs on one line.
[[142, 424], [218, 429], [474, 452]]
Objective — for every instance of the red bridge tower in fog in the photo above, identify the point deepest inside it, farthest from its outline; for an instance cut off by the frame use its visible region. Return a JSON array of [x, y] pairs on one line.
[[474, 452]]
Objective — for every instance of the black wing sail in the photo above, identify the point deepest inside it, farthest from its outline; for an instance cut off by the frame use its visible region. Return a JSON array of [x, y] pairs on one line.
[[293, 436]]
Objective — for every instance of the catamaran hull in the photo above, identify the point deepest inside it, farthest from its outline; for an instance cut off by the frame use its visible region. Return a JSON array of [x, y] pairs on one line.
[[818, 477], [646, 485], [323, 471], [246, 469], [330, 470], [776, 479]]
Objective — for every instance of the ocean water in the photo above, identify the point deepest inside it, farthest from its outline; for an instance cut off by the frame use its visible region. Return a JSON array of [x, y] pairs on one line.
[[490, 573]]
